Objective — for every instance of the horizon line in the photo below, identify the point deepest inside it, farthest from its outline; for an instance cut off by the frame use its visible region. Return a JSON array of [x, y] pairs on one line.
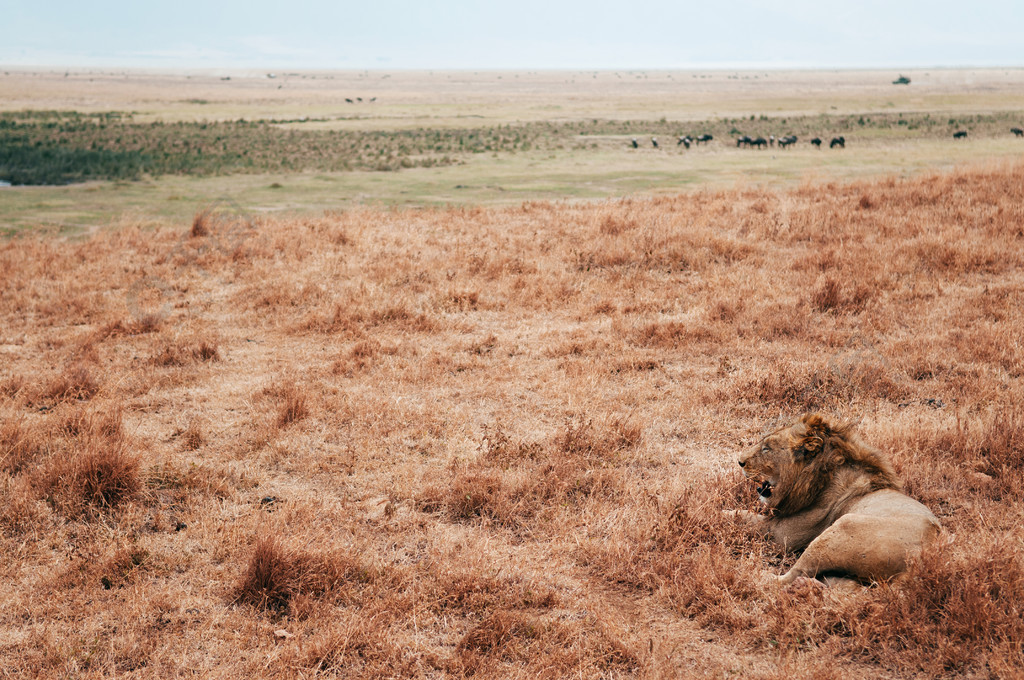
[[712, 66]]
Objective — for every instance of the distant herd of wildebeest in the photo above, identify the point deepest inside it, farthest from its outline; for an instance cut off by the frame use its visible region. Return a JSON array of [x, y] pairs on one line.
[[782, 142]]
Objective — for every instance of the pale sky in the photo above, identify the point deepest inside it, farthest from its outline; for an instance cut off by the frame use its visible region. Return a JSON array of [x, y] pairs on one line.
[[519, 34]]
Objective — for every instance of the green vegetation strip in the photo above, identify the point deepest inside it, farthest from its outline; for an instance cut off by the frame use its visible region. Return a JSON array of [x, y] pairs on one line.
[[57, 147]]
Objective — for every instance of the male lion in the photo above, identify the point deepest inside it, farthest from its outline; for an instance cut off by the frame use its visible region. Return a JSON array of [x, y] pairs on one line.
[[838, 500]]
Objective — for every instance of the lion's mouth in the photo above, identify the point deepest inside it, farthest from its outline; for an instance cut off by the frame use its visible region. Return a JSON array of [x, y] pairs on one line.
[[764, 490]]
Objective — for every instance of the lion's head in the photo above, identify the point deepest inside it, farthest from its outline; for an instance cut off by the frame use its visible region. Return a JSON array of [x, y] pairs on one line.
[[797, 463]]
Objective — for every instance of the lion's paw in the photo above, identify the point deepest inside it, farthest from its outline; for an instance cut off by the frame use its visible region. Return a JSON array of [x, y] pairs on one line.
[[806, 583]]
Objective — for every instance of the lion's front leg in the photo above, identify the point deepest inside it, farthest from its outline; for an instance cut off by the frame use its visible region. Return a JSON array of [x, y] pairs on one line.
[[855, 546], [828, 552], [753, 522]]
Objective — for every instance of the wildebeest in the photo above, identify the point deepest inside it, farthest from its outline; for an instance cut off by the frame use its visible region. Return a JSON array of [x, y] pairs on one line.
[[349, 100], [837, 141], [960, 134], [745, 140], [786, 141], [654, 141], [704, 139], [636, 144], [760, 142], [816, 142], [685, 141], [1017, 131], [771, 140]]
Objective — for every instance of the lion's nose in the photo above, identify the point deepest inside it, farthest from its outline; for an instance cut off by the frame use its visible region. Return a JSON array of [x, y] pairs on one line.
[[742, 463]]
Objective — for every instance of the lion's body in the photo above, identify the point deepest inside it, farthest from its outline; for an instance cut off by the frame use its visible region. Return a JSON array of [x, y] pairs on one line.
[[837, 500]]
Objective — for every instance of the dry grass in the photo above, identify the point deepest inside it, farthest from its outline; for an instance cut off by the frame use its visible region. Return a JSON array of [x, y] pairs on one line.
[[497, 442], [93, 468]]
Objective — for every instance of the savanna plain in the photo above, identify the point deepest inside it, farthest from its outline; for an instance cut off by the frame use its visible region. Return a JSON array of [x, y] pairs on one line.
[[468, 401]]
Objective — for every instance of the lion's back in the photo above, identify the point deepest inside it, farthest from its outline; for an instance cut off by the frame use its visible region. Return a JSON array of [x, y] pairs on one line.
[[907, 521], [893, 504]]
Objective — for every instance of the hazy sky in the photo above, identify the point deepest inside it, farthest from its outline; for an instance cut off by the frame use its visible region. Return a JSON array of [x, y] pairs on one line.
[[464, 34]]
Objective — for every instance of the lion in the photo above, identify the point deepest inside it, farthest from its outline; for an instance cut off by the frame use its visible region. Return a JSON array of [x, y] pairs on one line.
[[839, 501]]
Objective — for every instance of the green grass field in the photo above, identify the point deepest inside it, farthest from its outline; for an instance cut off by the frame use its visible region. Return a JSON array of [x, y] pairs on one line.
[[481, 180], [155, 149]]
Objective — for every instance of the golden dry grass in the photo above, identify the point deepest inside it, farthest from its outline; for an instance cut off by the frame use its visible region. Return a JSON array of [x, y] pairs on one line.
[[496, 442]]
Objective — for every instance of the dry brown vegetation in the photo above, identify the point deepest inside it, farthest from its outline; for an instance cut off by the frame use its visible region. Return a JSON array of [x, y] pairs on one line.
[[497, 442]]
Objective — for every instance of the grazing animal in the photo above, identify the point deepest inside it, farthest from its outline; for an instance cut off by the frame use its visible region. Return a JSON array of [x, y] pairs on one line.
[[636, 145], [816, 142], [745, 140], [654, 141], [786, 141], [1017, 131], [836, 499], [703, 139], [685, 141], [759, 142], [349, 100], [960, 134], [771, 140], [837, 141]]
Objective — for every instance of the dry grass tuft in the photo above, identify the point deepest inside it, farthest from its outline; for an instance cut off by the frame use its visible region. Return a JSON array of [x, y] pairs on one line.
[[832, 295], [201, 223], [993, 445], [75, 383], [146, 323], [21, 444], [580, 438], [278, 576], [293, 406], [184, 351], [562, 649], [79, 422], [192, 437], [22, 512], [273, 577], [99, 475], [12, 386], [357, 648], [123, 566]]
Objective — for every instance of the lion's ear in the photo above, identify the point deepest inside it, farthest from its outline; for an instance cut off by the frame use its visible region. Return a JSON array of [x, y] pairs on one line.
[[807, 447], [809, 436]]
